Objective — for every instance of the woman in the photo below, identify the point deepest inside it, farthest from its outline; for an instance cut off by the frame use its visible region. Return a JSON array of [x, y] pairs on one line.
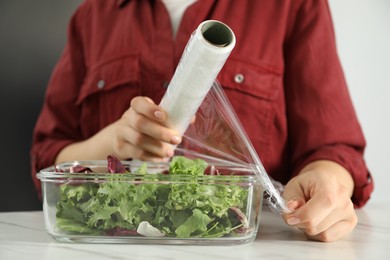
[[283, 79]]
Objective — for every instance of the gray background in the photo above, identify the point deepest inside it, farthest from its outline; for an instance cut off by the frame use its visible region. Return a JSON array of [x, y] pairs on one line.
[[32, 36], [363, 39]]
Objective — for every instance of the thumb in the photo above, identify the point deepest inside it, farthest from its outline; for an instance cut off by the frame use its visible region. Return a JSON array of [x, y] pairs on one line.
[[294, 196], [294, 204]]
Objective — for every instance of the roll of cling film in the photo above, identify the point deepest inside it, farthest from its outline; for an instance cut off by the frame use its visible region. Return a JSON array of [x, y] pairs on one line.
[[204, 56], [193, 91]]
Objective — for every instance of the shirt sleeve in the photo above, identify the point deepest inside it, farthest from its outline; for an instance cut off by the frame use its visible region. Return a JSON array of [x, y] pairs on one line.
[[58, 122], [321, 119]]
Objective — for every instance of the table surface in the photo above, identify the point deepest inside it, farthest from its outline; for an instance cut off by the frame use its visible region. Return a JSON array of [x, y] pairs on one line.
[[23, 236]]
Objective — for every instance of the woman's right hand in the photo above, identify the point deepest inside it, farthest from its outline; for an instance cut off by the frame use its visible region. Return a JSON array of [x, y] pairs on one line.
[[140, 134]]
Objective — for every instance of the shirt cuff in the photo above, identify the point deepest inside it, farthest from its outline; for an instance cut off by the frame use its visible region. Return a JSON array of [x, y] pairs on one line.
[[352, 160]]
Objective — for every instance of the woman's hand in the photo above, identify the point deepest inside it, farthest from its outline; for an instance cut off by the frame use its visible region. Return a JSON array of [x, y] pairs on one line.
[[140, 134], [319, 198]]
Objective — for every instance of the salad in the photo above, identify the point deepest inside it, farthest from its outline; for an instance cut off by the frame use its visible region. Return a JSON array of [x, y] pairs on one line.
[[154, 205]]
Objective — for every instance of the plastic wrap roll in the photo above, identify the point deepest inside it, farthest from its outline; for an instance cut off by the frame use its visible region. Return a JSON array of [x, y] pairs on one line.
[[203, 58]]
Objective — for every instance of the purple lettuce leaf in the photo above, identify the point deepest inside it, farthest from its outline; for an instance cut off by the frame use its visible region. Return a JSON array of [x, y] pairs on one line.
[[115, 165]]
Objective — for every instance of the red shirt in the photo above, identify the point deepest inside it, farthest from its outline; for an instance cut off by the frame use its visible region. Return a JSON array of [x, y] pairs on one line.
[[293, 100]]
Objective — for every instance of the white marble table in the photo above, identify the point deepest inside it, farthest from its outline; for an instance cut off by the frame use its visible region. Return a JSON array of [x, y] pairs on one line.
[[23, 236]]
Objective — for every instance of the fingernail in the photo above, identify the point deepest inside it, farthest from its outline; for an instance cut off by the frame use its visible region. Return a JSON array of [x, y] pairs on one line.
[[293, 221], [169, 153], [159, 115], [292, 204], [175, 139]]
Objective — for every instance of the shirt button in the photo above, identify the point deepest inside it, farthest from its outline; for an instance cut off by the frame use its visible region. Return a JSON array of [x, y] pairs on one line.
[[101, 83], [239, 78], [165, 83]]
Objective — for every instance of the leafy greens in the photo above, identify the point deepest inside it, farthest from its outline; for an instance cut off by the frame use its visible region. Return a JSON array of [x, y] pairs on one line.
[[196, 207]]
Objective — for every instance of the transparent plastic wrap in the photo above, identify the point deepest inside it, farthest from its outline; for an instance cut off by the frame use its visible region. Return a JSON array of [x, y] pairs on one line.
[[216, 131]]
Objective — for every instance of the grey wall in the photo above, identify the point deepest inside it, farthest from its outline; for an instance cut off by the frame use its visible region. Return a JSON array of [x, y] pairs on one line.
[[32, 36], [363, 38]]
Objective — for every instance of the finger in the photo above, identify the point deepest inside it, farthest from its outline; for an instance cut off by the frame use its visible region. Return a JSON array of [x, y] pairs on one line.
[[339, 214], [145, 143], [336, 231], [295, 204], [139, 154], [146, 107], [312, 227], [294, 196], [294, 191], [151, 128], [313, 212], [292, 205]]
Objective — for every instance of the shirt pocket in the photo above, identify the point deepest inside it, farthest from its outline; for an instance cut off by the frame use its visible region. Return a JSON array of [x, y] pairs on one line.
[[107, 91], [252, 89]]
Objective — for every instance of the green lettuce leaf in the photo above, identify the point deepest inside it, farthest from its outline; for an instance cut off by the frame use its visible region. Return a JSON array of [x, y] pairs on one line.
[[182, 209]]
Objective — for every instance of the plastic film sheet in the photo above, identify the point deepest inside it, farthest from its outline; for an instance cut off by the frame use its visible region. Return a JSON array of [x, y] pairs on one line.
[[216, 132]]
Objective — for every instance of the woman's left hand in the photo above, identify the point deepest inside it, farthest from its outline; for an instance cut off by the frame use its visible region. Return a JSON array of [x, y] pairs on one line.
[[320, 200]]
